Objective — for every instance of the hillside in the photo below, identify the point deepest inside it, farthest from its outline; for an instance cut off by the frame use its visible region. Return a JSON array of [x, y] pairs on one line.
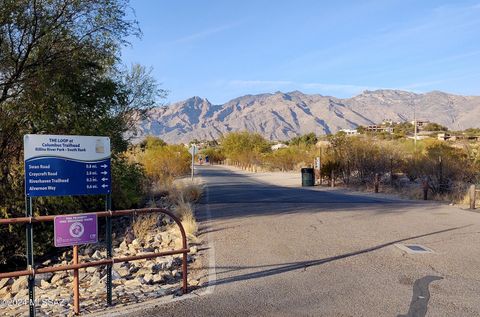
[[281, 116]]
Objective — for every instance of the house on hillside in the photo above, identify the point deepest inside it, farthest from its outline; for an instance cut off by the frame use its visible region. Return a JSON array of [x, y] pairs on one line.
[[378, 128], [278, 146], [349, 131], [421, 124]]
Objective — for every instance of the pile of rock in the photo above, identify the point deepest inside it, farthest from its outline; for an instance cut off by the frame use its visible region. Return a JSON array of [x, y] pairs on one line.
[[132, 281]]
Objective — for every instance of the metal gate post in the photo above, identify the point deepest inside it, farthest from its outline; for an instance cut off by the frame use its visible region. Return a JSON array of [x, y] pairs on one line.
[[76, 288], [29, 242], [108, 238]]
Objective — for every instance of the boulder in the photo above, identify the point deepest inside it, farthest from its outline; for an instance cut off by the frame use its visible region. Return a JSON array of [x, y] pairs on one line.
[[44, 284], [193, 282], [19, 284], [133, 282], [135, 243], [123, 246], [57, 277], [147, 279], [123, 271], [97, 255], [89, 251], [158, 278], [5, 282], [115, 275], [42, 277]]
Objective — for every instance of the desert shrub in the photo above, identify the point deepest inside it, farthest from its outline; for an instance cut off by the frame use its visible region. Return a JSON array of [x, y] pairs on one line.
[[356, 159], [183, 209], [185, 192], [215, 155], [151, 142], [183, 196], [189, 224], [309, 139], [443, 166], [285, 159], [143, 225], [162, 162], [128, 183], [244, 147]]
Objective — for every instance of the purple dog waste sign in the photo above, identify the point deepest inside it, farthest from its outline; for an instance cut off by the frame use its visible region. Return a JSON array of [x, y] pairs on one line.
[[75, 229]]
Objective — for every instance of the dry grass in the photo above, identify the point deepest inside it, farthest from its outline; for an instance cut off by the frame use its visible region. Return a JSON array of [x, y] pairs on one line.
[[183, 209], [144, 224], [185, 192], [458, 195], [183, 196], [190, 225]]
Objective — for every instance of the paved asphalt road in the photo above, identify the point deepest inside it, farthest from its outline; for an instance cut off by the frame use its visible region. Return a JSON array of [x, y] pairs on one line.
[[299, 252]]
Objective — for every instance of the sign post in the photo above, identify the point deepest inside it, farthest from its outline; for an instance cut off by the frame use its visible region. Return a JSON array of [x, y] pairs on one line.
[[193, 151], [29, 235], [63, 165]]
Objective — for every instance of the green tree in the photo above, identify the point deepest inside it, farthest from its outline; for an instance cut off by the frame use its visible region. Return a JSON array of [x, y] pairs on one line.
[[306, 139], [244, 147], [60, 73], [432, 126]]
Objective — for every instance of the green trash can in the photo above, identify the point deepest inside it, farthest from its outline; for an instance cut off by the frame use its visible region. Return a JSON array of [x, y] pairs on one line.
[[308, 176]]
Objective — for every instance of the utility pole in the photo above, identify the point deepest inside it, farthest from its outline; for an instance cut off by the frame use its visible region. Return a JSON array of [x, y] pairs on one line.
[[415, 127]]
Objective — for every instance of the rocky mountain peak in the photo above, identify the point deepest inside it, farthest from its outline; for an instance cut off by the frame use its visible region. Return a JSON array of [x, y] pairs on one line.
[[281, 116]]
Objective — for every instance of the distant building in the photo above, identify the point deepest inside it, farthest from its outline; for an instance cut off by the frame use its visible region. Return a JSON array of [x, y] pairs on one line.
[[445, 137], [349, 131], [449, 137], [379, 128], [278, 146], [421, 124]]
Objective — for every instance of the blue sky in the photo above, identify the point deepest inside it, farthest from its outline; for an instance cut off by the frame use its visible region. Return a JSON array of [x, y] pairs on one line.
[[224, 49]]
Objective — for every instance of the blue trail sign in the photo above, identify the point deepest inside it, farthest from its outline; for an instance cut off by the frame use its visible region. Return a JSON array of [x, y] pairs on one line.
[[61, 165]]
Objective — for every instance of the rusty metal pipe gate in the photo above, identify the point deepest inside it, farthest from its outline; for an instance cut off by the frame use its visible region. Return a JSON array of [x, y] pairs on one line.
[[109, 262]]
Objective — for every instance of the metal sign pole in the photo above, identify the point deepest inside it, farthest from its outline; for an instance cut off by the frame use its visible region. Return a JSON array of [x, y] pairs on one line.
[[108, 238], [31, 278]]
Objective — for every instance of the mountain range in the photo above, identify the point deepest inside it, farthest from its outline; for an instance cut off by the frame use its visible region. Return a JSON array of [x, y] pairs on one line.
[[281, 116]]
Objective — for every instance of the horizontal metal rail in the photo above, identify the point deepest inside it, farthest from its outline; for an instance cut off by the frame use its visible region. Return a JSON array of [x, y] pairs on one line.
[[112, 261], [113, 213]]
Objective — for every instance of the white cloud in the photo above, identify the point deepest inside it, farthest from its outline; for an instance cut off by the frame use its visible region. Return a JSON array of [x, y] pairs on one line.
[[204, 33]]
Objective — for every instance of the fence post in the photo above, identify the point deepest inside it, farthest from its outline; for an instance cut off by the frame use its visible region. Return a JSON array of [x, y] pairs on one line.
[[440, 174], [472, 196], [76, 291], [377, 181], [391, 170], [425, 189]]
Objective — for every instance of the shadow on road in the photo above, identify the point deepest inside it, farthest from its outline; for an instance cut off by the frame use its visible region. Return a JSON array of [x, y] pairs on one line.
[[287, 267], [234, 195], [420, 297]]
